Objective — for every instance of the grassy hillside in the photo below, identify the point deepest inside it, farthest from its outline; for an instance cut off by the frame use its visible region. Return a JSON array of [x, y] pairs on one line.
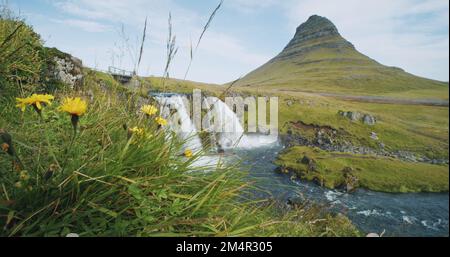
[[418, 129], [318, 59]]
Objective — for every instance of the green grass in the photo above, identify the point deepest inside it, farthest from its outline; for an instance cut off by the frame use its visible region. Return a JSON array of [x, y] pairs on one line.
[[419, 129], [106, 184], [374, 173], [158, 84], [25, 64]]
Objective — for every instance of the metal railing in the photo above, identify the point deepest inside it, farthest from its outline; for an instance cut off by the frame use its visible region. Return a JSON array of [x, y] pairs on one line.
[[120, 72]]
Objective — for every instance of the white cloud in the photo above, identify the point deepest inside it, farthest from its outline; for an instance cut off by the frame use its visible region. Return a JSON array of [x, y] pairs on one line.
[[228, 47], [250, 5], [86, 25], [131, 12]]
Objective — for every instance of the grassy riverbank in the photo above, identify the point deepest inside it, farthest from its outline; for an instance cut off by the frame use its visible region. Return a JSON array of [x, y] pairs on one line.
[[335, 170]]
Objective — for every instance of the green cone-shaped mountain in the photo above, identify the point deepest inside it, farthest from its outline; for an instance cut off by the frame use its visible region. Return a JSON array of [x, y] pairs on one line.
[[319, 59]]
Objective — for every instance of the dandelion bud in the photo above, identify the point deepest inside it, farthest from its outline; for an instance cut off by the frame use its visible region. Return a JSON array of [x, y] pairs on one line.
[[5, 137], [51, 170], [24, 175], [18, 184], [17, 166], [7, 145]]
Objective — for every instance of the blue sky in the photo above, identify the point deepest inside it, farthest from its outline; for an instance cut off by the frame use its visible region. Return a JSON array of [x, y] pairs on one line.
[[411, 34]]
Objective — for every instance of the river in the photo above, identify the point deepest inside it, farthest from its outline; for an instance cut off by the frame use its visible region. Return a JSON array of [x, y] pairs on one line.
[[411, 214]]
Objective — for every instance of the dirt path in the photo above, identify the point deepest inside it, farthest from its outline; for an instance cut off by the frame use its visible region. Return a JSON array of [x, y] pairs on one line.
[[381, 99]]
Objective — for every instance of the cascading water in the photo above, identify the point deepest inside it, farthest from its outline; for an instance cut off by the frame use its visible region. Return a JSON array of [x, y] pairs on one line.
[[226, 130], [232, 134], [183, 126]]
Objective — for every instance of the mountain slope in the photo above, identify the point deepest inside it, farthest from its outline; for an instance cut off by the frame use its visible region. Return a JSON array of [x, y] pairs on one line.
[[319, 59]]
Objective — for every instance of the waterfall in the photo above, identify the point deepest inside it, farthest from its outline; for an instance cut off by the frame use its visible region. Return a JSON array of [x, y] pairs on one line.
[[226, 130], [183, 126], [232, 135], [225, 123]]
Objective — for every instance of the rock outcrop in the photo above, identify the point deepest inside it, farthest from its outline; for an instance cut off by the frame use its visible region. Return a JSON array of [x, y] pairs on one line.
[[69, 71], [369, 120], [357, 116], [65, 68]]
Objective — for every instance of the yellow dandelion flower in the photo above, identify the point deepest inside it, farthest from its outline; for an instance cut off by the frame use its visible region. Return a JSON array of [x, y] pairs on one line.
[[35, 100], [161, 121], [188, 153], [137, 131], [74, 106], [149, 110]]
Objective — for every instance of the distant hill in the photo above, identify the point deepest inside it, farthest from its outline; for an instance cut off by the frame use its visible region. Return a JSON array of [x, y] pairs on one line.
[[318, 59]]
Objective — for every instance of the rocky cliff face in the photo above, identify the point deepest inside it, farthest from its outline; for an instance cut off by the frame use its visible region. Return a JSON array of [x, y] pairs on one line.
[[68, 70], [65, 68]]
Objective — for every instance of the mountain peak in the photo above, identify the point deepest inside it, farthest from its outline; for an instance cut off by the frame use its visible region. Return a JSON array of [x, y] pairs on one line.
[[316, 32], [315, 27], [319, 59]]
